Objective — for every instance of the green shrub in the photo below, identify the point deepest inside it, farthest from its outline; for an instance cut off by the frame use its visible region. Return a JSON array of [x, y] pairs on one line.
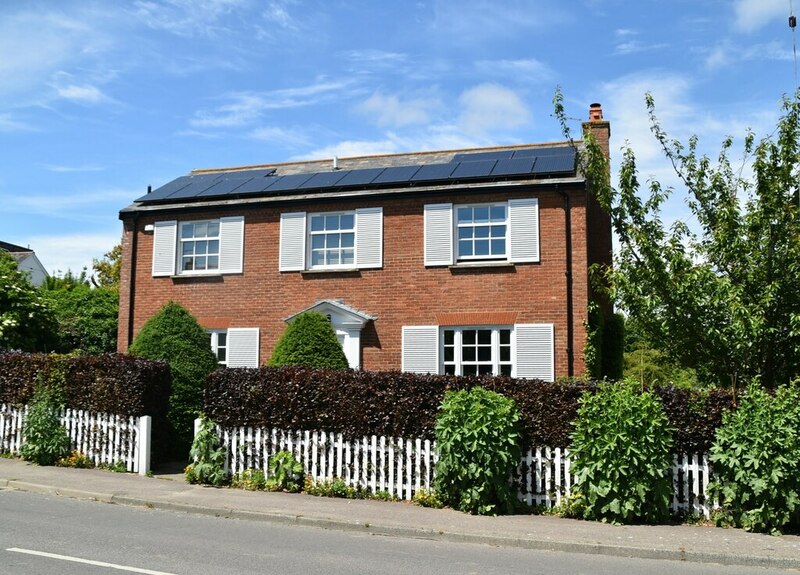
[[756, 460], [309, 340], [286, 473], [208, 457], [87, 318], [427, 498], [45, 440], [621, 450], [335, 487], [76, 459], [173, 335], [478, 439], [250, 480]]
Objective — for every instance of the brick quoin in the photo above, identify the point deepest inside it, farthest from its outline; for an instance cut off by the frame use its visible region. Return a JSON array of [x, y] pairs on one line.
[[402, 292]]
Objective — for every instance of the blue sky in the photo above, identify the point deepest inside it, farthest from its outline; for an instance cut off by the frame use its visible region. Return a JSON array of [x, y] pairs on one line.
[[99, 99]]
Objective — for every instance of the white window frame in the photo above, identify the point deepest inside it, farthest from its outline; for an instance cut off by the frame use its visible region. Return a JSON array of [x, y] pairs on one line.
[[489, 224], [215, 347], [495, 361], [310, 234], [181, 241]]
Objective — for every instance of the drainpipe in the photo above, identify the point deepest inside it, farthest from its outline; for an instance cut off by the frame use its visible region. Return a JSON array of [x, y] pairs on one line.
[[132, 281], [568, 276]]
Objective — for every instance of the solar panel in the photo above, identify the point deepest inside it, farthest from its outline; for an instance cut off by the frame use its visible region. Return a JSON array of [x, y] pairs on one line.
[[479, 156], [246, 174], [431, 172], [257, 185], [164, 191], [360, 177], [226, 186], [324, 179], [513, 167], [541, 152], [197, 185], [396, 175], [554, 164], [478, 169], [291, 182]]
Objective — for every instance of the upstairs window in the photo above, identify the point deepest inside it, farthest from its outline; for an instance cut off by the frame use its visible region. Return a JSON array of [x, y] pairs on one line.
[[481, 232], [199, 246], [332, 239]]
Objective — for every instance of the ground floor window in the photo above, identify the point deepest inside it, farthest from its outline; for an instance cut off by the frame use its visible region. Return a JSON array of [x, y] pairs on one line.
[[477, 350], [219, 345]]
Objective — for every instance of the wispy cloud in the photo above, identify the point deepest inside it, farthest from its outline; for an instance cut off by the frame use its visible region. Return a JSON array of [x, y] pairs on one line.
[[628, 42], [491, 107], [10, 124], [70, 169], [67, 206], [187, 18], [468, 21], [247, 107], [85, 94], [391, 111], [526, 70], [275, 135], [751, 15], [59, 253], [726, 53]]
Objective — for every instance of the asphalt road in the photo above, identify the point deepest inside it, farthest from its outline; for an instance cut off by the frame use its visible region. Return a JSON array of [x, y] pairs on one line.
[[43, 535]]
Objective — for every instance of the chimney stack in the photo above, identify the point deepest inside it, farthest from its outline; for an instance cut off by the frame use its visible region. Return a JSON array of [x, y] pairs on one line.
[[595, 112], [598, 127]]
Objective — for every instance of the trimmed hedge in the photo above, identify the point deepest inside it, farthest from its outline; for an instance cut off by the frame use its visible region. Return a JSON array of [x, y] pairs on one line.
[[358, 403], [107, 383]]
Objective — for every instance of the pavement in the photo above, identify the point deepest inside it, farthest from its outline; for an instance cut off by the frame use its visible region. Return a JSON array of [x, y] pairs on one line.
[[167, 491]]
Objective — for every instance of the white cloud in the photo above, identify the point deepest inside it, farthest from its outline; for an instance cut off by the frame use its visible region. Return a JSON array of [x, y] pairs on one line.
[[527, 69], [59, 253], [491, 107], [70, 169], [469, 21], [247, 107], [187, 18], [68, 206], [718, 57], [350, 148], [389, 110], [10, 124], [751, 15], [276, 135], [83, 94]]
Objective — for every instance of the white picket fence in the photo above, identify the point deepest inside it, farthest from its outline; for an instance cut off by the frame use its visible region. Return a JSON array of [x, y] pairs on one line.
[[104, 438], [403, 466]]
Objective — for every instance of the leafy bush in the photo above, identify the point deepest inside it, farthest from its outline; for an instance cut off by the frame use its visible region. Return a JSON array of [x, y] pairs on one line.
[[250, 480], [76, 459], [286, 473], [309, 340], [26, 320], [335, 487], [427, 498], [621, 450], [173, 335], [478, 439], [756, 459], [208, 457], [87, 319], [45, 440]]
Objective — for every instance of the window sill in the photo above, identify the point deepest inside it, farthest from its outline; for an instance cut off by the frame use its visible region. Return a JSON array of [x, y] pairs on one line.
[[191, 276], [479, 264], [330, 271]]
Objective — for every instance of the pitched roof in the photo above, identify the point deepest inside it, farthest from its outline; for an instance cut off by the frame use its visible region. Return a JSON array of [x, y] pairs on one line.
[[14, 249], [323, 305], [365, 175]]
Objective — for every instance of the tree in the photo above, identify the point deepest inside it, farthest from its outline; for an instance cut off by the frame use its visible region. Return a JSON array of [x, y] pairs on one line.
[[174, 336], [87, 318], [721, 296], [309, 341], [107, 270], [26, 321]]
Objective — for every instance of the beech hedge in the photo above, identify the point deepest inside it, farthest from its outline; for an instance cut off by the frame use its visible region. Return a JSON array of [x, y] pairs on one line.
[[391, 403], [107, 383]]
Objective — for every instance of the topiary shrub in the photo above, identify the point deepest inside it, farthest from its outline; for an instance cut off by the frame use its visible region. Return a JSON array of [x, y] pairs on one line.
[[621, 450], [756, 460], [478, 439], [174, 336], [309, 341], [46, 440]]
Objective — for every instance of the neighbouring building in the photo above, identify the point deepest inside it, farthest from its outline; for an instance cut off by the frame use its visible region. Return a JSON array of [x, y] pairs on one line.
[[27, 262], [467, 261]]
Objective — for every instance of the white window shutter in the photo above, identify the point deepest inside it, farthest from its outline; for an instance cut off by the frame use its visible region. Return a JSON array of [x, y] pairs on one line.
[[231, 244], [243, 347], [438, 234], [421, 349], [534, 351], [293, 242], [369, 238], [165, 239], [523, 225]]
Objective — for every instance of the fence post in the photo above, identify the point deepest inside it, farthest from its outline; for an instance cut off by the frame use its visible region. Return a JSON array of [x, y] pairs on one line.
[[144, 436]]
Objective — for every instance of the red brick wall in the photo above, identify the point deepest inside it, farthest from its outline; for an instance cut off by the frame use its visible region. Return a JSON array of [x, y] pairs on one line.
[[403, 292]]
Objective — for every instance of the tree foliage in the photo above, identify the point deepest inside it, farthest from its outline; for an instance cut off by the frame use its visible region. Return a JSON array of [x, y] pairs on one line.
[[26, 321], [107, 269], [87, 318], [311, 342], [173, 335], [720, 294]]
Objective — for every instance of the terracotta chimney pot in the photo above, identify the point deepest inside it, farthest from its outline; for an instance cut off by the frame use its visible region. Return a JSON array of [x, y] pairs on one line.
[[595, 112]]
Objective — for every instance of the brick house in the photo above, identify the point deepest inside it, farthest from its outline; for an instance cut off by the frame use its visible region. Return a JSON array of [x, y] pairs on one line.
[[469, 261]]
